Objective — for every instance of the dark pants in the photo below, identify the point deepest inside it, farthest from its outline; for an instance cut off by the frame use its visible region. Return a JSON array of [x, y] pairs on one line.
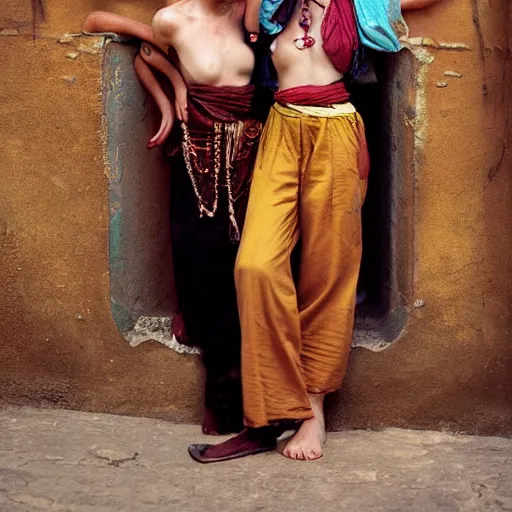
[[204, 259]]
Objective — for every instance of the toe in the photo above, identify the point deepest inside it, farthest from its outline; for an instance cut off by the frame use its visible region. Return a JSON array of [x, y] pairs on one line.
[[301, 455], [288, 451], [316, 454]]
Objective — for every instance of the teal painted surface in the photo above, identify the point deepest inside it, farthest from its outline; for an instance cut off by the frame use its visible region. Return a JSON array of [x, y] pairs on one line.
[[141, 281], [115, 259], [122, 317]]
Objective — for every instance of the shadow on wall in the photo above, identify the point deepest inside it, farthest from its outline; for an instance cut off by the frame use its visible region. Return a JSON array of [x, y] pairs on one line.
[[142, 290]]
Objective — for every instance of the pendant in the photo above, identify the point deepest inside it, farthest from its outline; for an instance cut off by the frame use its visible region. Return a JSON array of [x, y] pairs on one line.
[[304, 42]]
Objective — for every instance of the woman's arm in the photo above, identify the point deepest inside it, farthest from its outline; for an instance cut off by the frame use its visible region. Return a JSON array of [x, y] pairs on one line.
[[252, 17], [155, 59], [100, 21], [409, 5], [150, 82]]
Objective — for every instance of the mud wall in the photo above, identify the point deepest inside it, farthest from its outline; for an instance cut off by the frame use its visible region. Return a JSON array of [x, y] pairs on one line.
[[59, 345]]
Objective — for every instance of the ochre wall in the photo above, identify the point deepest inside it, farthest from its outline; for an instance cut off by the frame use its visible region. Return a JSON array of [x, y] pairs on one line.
[[58, 343]]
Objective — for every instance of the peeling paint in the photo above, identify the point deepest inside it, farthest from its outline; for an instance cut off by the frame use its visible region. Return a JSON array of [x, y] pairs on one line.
[[69, 79], [424, 59], [115, 206], [117, 169], [9, 32], [372, 334], [429, 42], [91, 50], [453, 74], [103, 134], [65, 39], [148, 328]]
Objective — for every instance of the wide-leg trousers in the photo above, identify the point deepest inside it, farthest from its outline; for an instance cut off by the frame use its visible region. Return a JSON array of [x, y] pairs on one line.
[[309, 183]]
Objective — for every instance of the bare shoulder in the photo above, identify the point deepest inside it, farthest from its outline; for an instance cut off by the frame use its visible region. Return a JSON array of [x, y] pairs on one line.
[[166, 21]]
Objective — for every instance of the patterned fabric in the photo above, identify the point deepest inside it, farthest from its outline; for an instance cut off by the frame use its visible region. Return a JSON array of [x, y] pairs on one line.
[[221, 138]]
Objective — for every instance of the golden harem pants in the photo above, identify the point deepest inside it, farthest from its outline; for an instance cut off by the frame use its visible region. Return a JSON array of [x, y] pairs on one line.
[[309, 183]]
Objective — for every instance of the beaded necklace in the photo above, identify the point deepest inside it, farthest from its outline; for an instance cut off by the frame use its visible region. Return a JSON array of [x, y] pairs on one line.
[[193, 167]]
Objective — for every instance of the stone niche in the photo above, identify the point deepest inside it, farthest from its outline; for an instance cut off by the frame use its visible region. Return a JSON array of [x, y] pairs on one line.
[[142, 290]]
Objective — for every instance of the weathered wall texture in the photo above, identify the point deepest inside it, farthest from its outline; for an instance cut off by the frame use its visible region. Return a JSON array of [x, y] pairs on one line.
[[452, 367], [58, 343]]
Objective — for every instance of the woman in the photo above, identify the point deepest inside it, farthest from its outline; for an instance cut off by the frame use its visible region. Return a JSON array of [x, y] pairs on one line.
[[309, 183], [199, 46]]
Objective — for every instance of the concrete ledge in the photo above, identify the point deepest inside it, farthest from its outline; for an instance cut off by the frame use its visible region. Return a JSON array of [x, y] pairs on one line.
[[132, 464]]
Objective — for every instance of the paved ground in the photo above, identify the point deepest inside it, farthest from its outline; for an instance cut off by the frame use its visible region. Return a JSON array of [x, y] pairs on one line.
[[71, 461]]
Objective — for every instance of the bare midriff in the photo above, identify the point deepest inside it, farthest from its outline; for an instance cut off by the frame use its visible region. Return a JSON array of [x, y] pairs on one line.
[[210, 46], [310, 66]]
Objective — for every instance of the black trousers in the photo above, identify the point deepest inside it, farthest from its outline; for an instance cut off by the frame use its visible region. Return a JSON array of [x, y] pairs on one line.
[[204, 259]]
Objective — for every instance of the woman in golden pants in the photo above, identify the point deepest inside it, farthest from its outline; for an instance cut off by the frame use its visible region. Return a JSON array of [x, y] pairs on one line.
[[309, 183]]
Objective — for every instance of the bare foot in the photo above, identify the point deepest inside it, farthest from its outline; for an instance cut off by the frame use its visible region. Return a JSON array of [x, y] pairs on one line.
[[179, 330], [307, 443]]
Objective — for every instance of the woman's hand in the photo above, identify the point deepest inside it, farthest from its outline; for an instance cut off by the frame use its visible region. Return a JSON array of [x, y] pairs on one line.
[[150, 82], [165, 127], [180, 102]]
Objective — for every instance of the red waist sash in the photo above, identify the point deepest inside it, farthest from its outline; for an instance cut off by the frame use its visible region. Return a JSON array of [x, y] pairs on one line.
[[218, 148], [314, 95]]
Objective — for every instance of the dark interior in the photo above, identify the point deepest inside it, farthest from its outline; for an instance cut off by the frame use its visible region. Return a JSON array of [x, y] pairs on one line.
[[374, 277]]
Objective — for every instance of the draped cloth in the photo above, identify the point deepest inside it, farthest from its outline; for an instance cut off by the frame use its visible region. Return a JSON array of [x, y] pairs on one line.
[[219, 144], [317, 95], [380, 24], [208, 103], [339, 34]]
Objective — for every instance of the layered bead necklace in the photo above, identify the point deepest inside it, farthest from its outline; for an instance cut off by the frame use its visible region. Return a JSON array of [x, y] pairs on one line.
[[232, 133]]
